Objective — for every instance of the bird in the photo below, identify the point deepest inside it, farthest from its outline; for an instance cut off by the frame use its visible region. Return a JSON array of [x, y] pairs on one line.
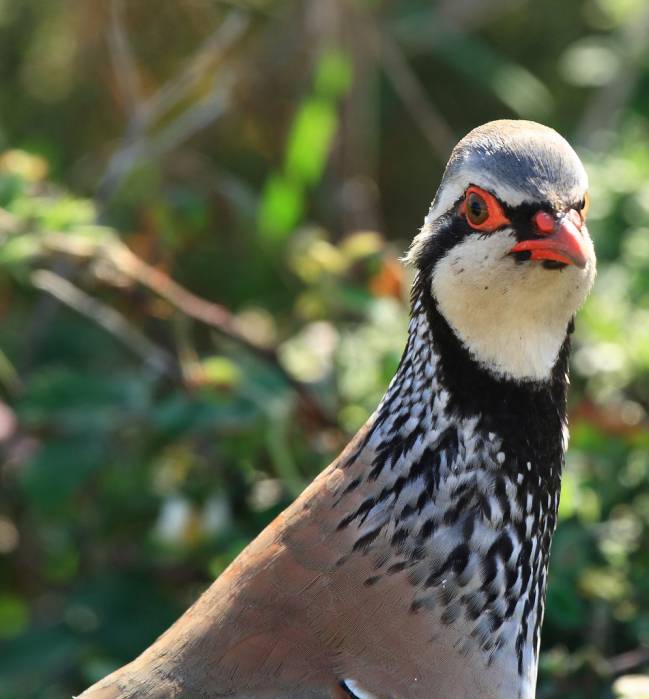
[[415, 565]]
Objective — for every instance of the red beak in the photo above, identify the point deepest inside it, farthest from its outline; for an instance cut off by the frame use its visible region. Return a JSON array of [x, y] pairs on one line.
[[561, 241]]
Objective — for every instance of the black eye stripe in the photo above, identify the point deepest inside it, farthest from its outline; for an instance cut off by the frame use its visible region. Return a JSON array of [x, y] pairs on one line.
[[529, 208]]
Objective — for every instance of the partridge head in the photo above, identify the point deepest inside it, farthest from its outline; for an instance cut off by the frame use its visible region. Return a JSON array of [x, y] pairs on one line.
[[415, 565]]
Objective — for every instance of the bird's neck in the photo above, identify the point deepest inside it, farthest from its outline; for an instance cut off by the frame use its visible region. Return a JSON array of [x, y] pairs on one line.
[[438, 381], [460, 488]]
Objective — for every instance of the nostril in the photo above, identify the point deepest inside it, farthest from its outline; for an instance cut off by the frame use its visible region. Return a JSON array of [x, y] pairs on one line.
[[544, 222]]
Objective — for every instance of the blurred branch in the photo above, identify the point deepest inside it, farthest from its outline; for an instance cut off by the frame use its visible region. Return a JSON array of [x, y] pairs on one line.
[[123, 60], [212, 314], [434, 23], [190, 122], [630, 660], [9, 376], [143, 116], [200, 64], [407, 85], [186, 125], [471, 14], [41, 319], [451, 31], [106, 317], [606, 419], [140, 137], [9, 224]]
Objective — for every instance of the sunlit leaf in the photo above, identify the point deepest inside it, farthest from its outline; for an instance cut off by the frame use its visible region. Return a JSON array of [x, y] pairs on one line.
[[28, 166], [221, 371], [310, 140], [281, 207]]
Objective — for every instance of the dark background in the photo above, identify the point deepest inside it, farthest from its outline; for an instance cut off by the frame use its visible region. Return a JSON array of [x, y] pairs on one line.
[[274, 159]]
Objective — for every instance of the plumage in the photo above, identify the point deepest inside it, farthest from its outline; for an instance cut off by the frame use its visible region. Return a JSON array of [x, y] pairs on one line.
[[415, 565]]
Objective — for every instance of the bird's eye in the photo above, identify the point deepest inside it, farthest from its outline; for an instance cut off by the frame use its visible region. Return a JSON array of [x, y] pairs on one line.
[[477, 211], [482, 210], [584, 205]]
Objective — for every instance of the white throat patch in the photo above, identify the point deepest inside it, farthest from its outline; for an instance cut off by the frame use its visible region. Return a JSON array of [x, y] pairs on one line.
[[511, 316]]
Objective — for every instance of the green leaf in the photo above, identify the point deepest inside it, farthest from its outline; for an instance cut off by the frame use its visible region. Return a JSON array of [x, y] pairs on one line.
[[310, 140], [58, 469], [79, 402], [334, 74], [18, 250], [221, 371], [14, 616], [11, 187], [56, 213], [281, 207]]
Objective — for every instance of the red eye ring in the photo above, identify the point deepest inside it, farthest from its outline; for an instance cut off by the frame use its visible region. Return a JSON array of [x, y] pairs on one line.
[[495, 217]]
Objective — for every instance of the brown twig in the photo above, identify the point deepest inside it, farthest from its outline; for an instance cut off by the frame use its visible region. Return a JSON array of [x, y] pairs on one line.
[[201, 63], [630, 660], [124, 65], [212, 314], [106, 317], [143, 136]]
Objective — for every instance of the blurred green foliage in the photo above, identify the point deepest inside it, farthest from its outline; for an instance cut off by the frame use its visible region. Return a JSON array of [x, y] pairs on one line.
[[275, 158]]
